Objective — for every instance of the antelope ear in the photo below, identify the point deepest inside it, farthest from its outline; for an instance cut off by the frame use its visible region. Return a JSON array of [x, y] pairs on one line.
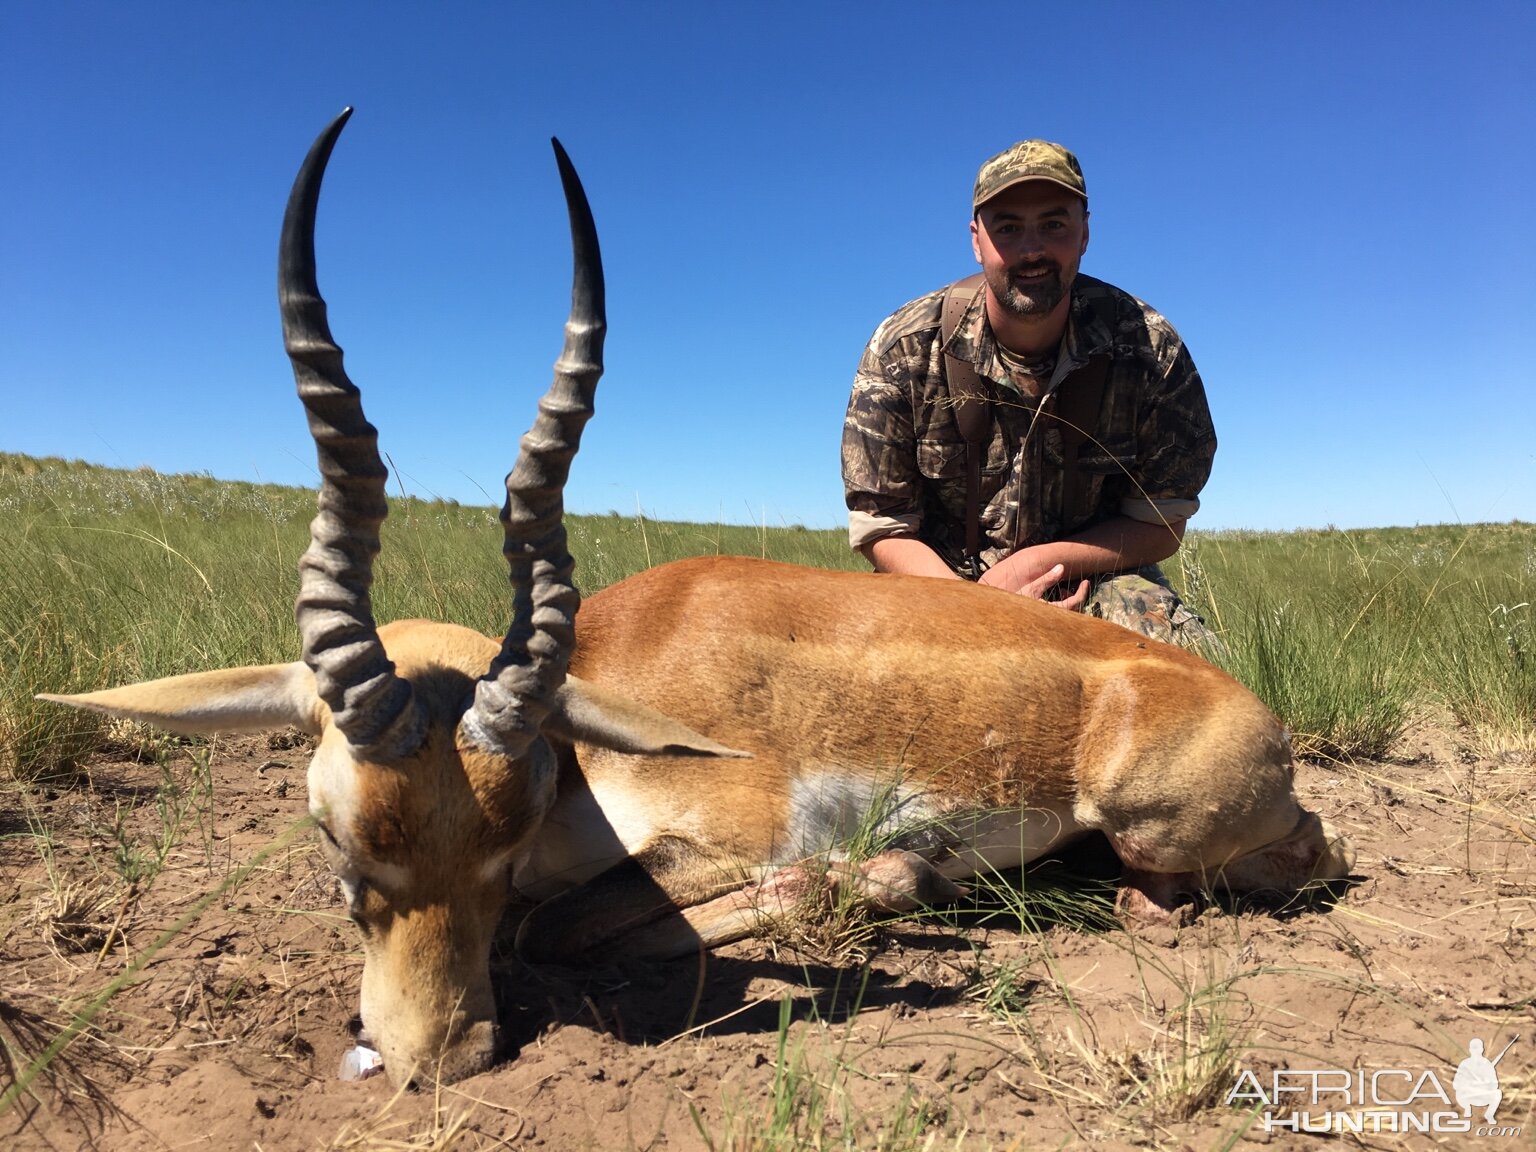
[[230, 700], [607, 719]]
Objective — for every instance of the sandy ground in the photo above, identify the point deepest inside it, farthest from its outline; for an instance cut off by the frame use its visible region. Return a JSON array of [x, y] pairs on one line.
[[973, 1031]]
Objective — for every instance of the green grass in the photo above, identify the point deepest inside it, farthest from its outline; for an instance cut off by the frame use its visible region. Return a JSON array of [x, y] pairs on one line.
[[113, 576], [1347, 634]]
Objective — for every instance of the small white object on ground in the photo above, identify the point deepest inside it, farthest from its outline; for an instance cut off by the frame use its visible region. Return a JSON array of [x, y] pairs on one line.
[[360, 1063]]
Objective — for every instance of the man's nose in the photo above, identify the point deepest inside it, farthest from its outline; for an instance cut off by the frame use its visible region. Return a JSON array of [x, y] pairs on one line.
[[1028, 243]]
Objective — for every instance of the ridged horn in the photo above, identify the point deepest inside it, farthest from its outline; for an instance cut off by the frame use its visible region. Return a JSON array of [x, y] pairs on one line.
[[371, 706], [514, 697]]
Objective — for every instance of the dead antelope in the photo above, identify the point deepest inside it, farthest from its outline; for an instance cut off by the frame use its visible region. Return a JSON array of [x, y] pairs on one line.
[[973, 729]]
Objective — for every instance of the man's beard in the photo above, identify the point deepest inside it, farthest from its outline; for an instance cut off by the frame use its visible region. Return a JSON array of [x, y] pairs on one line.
[[1034, 299]]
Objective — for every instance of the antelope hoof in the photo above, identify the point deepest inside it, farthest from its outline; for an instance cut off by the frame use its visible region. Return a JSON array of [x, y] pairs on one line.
[[898, 881], [1338, 856]]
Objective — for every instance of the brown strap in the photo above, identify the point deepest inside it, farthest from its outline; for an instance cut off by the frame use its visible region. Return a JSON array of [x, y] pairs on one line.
[[973, 415], [1077, 415]]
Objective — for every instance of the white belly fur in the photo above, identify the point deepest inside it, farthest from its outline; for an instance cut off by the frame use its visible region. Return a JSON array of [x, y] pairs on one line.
[[833, 810]]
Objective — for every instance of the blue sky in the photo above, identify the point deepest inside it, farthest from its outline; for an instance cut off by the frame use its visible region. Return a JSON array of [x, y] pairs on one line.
[[1332, 202]]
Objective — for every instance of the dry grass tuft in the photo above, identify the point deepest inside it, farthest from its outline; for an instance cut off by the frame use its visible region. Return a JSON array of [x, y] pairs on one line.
[[80, 918], [825, 926]]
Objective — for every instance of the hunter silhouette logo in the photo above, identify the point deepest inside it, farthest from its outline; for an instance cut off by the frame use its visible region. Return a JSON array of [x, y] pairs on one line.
[[1339, 1100], [1477, 1084]]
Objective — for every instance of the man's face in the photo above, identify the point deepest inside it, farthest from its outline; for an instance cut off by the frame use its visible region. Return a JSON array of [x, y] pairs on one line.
[[1030, 239]]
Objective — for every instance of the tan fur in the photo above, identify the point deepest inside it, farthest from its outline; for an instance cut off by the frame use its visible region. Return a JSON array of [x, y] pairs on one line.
[[974, 704]]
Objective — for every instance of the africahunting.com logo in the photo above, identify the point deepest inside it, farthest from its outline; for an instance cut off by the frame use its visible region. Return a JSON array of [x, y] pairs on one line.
[[1384, 1100]]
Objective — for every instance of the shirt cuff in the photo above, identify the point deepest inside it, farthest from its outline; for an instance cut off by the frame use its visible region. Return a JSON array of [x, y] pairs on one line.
[[1168, 510], [866, 527]]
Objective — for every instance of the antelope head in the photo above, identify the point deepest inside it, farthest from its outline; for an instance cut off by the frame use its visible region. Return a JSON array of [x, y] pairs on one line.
[[433, 768]]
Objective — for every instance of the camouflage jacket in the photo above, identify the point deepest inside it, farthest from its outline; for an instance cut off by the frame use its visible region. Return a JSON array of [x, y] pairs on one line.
[[904, 456]]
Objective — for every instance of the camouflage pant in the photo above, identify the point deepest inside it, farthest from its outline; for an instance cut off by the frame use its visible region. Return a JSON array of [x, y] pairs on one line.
[[1143, 601]]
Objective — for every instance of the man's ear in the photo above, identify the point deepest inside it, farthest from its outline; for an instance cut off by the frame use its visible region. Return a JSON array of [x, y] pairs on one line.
[[253, 699], [975, 239]]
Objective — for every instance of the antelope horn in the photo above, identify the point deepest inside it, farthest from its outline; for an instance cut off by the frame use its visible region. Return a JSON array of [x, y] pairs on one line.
[[371, 706], [514, 697]]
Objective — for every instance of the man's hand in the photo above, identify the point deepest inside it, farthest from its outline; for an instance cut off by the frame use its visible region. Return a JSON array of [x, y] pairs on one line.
[[1114, 545], [1040, 585], [1018, 578]]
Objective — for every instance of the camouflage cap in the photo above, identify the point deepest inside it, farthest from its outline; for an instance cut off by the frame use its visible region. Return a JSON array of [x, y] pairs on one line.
[[1029, 160]]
